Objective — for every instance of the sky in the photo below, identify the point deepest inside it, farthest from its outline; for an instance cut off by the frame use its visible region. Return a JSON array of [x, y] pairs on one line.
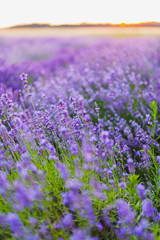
[[13, 12]]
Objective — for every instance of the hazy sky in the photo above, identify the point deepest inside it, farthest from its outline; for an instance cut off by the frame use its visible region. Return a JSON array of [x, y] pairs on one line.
[[76, 11]]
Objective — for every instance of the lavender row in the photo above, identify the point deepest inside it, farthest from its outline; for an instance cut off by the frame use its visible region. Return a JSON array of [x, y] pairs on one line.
[[79, 138]]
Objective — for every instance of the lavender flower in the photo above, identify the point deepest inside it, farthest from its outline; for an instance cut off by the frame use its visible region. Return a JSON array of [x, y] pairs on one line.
[[74, 184], [16, 224], [130, 166], [147, 208], [124, 212], [141, 191], [24, 78], [67, 220], [122, 185], [79, 235]]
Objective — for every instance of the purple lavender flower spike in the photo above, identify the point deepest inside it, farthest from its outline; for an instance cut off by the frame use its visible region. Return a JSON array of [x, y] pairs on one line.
[[141, 191], [147, 208], [16, 224]]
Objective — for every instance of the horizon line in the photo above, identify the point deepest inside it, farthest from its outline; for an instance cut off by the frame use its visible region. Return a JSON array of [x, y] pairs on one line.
[[122, 24]]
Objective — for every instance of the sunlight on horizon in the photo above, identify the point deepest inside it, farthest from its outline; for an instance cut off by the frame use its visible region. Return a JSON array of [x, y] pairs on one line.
[[74, 12]]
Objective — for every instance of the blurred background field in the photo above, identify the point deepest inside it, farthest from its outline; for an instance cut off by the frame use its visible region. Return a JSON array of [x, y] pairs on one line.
[[81, 31]]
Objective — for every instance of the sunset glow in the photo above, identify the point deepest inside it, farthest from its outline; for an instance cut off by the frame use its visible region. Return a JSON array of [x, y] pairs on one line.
[[76, 11]]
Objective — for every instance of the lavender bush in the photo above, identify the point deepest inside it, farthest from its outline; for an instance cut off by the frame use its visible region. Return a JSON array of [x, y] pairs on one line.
[[79, 139]]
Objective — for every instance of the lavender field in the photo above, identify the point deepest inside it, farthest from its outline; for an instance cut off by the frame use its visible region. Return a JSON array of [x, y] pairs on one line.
[[80, 138]]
